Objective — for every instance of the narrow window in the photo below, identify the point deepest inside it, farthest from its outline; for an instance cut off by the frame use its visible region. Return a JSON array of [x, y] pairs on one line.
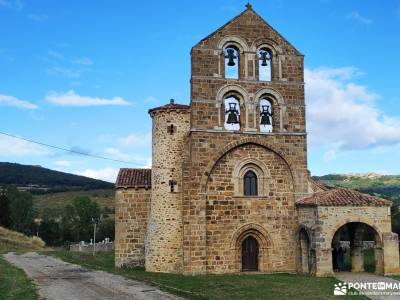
[[231, 55], [264, 64], [266, 113], [232, 113], [250, 184]]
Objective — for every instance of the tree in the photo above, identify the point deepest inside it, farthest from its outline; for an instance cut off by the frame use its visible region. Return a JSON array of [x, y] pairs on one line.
[[4, 208], [396, 219], [106, 230], [21, 210], [50, 229], [77, 218]]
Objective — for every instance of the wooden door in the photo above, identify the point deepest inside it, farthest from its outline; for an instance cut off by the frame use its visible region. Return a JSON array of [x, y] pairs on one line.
[[250, 254]]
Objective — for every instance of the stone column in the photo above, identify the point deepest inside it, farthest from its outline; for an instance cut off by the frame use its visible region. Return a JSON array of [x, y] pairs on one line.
[[357, 259], [378, 253], [390, 253], [324, 262]]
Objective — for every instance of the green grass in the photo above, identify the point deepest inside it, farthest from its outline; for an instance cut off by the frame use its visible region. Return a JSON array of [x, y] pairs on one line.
[[14, 284], [57, 201], [235, 286]]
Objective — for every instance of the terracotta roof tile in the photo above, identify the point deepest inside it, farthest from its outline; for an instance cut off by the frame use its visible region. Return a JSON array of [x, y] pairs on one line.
[[135, 178], [318, 186], [171, 106], [342, 197]]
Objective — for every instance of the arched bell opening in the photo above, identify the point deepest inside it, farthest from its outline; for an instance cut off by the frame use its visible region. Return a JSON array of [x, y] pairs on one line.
[[264, 64], [232, 113], [357, 247], [231, 62], [266, 113]]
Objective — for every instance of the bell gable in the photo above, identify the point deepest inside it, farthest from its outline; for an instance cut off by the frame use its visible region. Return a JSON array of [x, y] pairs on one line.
[[252, 30]]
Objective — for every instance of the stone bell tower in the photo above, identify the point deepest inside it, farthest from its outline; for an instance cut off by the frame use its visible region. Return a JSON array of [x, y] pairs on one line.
[[247, 90]]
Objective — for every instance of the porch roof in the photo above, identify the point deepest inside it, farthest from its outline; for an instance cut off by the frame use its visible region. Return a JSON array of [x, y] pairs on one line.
[[342, 197]]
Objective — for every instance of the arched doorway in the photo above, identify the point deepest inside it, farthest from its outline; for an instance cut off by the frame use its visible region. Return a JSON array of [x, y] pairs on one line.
[[357, 247], [250, 251], [305, 253]]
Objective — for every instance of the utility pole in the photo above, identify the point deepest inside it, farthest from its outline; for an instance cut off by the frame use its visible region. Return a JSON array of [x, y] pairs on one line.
[[95, 221]]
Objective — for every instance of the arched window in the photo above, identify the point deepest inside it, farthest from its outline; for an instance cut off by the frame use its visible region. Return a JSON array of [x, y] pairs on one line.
[[232, 113], [264, 64], [266, 113], [231, 55], [250, 184]]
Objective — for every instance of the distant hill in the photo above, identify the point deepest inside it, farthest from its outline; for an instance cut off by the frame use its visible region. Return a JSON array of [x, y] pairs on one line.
[[386, 186], [40, 180]]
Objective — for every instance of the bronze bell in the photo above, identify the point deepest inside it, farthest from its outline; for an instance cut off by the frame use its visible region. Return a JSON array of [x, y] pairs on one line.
[[230, 54], [233, 114], [265, 115], [264, 56]]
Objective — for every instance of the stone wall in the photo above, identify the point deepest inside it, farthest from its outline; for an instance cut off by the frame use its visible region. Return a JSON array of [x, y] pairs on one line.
[[85, 247], [205, 152], [248, 32], [164, 230], [327, 220], [131, 215], [209, 144], [228, 213]]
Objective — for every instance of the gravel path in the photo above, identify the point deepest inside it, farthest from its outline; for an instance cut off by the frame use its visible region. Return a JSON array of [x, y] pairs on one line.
[[374, 294], [59, 280]]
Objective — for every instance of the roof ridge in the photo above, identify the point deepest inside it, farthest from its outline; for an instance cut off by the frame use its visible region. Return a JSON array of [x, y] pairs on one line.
[[221, 27], [249, 9], [170, 106], [341, 196]]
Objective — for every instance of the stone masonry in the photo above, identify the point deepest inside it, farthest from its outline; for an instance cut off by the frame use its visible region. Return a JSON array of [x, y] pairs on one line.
[[192, 212]]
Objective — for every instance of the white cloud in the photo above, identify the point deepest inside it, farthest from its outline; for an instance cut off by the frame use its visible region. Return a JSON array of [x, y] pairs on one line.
[[55, 54], [66, 163], [70, 98], [356, 16], [343, 115], [11, 4], [140, 161], [10, 146], [151, 99], [82, 61], [3, 54], [329, 155], [63, 66], [106, 174], [15, 102], [66, 72], [116, 154], [136, 140], [38, 17]]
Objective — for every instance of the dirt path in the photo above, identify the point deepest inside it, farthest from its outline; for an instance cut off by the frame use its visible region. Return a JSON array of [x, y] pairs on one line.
[[372, 293], [60, 280]]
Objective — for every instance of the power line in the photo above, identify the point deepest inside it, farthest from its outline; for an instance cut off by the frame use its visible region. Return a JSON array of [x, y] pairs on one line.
[[65, 149]]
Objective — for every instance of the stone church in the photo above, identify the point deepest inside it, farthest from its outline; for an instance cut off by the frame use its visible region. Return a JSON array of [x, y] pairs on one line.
[[229, 190]]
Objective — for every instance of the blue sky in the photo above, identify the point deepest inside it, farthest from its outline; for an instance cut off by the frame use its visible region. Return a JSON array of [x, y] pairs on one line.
[[82, 74]]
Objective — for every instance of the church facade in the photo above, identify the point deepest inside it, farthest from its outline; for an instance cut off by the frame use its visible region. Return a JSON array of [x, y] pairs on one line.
[[229, 190]]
